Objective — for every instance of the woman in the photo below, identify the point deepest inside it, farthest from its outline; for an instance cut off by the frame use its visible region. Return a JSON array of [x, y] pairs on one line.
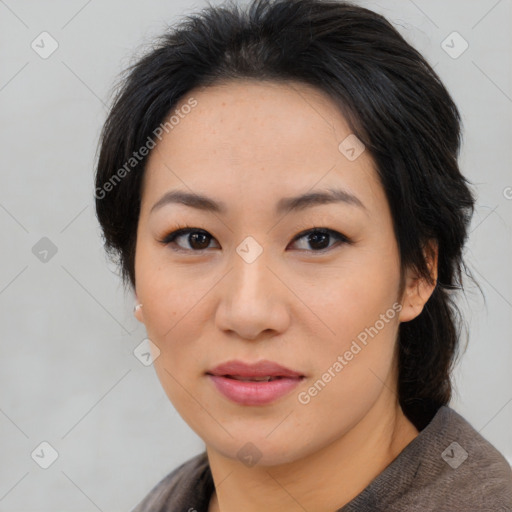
[[281, 188]]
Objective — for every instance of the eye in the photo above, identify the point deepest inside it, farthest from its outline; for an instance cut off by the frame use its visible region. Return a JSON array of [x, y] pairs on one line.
[[198, 239], [319, 238]]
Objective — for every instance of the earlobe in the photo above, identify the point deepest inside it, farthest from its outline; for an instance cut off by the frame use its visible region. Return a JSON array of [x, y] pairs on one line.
[[418, 289], [137, 311]]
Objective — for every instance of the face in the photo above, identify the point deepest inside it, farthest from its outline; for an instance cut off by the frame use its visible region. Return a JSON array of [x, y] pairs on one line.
[[310, 285]]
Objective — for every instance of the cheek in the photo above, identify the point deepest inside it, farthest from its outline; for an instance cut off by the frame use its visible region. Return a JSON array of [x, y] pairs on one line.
[[351, 296], [350, 376], [175, 313], [359, 313], [166, 294]]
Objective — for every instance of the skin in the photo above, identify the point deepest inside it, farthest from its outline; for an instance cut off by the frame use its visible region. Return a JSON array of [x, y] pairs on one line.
[[248, 144]]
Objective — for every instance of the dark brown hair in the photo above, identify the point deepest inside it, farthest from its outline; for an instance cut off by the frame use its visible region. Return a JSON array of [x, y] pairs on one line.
[[393, 101]]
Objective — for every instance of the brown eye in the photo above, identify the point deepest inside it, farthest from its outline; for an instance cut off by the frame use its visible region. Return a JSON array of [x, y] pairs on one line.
[[319, 238], [197, 239]]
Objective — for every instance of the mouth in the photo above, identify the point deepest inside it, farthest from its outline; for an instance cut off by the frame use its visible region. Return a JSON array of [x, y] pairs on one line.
[[261, 370], [268, 378], [254, 384]]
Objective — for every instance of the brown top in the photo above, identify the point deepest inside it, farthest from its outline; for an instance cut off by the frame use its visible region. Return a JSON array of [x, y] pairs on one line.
[[448, 467]]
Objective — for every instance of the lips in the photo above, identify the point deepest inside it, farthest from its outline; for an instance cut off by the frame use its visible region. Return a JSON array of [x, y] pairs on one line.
[[252, 379], [262, 370], [253, 384]]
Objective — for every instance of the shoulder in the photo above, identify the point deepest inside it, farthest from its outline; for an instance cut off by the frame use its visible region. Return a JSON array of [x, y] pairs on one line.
[[184, 488], [474, 469], [448, 467], [458, 469]]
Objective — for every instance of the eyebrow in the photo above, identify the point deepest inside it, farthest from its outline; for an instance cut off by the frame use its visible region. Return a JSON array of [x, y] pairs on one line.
[[284, 205]]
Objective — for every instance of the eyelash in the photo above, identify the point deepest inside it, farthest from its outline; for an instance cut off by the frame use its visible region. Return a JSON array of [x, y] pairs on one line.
[[185, 229]]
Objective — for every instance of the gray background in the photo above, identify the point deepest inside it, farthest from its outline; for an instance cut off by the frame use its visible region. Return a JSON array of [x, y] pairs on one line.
[[68, 373]]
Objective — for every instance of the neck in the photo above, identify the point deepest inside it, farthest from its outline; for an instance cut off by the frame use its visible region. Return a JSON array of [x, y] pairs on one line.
[[323, 481]]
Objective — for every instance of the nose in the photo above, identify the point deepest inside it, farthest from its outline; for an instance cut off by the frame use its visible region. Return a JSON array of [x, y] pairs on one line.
[[253, 300]]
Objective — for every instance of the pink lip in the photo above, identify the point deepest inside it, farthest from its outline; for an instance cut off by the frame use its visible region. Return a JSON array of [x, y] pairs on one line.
[[253, 393]]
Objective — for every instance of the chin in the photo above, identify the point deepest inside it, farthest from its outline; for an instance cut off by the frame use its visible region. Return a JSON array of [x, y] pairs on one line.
[[258, 451]]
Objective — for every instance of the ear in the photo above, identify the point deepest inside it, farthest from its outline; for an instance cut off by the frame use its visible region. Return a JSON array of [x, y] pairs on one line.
[[418, 290], [137, 310]]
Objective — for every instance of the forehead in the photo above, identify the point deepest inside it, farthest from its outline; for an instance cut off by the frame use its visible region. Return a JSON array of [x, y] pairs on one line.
[[249, 121], [263, 138]]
